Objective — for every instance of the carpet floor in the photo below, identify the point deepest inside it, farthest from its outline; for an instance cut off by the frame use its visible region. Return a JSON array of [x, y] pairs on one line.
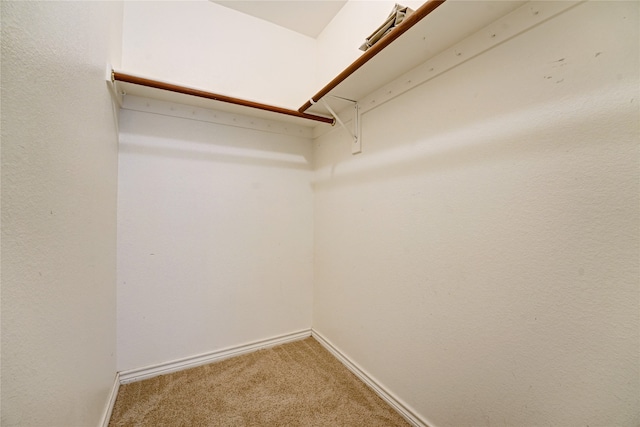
[[294, 384]]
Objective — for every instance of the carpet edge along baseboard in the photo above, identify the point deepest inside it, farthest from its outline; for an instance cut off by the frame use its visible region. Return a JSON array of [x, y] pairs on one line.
[[139, 374]]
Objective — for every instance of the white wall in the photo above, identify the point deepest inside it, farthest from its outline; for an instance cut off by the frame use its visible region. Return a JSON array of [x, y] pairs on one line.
[[480, 258], [215, 229], [208, 46], [59, 181]]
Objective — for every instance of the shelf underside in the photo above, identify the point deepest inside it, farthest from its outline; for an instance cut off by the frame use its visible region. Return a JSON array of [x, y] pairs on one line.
[[450, 23]]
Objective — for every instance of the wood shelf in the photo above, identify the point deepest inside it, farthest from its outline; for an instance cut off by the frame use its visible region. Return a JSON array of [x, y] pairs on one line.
[[435, 31], [149, 88], [434, 27]]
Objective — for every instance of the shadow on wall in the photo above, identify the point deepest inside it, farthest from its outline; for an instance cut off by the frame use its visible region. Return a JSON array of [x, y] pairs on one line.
[[149, 134], [556, 127], [244, 157]]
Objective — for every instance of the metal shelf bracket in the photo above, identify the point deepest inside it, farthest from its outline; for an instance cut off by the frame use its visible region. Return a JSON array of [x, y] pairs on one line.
[[356, 137]]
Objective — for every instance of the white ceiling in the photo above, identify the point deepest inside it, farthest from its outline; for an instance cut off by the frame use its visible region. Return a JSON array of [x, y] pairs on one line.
[[307, 17]]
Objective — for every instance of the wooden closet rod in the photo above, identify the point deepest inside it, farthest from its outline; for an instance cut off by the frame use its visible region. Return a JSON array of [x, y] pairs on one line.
[[128, 78], [407, 23]]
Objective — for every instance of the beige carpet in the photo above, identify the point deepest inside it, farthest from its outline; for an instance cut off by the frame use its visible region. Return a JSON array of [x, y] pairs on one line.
[[295, 384]]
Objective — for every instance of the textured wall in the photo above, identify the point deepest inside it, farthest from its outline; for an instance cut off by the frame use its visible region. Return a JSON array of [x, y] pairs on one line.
[[215, 229], [480, 258], [59, 181]]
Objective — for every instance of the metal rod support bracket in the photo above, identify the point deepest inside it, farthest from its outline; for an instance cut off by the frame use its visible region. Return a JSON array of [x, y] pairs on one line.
[[356, 137]]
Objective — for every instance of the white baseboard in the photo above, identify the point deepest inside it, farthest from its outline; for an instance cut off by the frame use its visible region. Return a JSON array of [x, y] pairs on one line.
[[396, 403], [139, 374], [106, 416]]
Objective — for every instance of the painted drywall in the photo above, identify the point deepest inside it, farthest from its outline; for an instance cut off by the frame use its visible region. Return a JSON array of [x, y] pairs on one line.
[[59, 182], [208, 46], [215, 235], [480, 258]]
